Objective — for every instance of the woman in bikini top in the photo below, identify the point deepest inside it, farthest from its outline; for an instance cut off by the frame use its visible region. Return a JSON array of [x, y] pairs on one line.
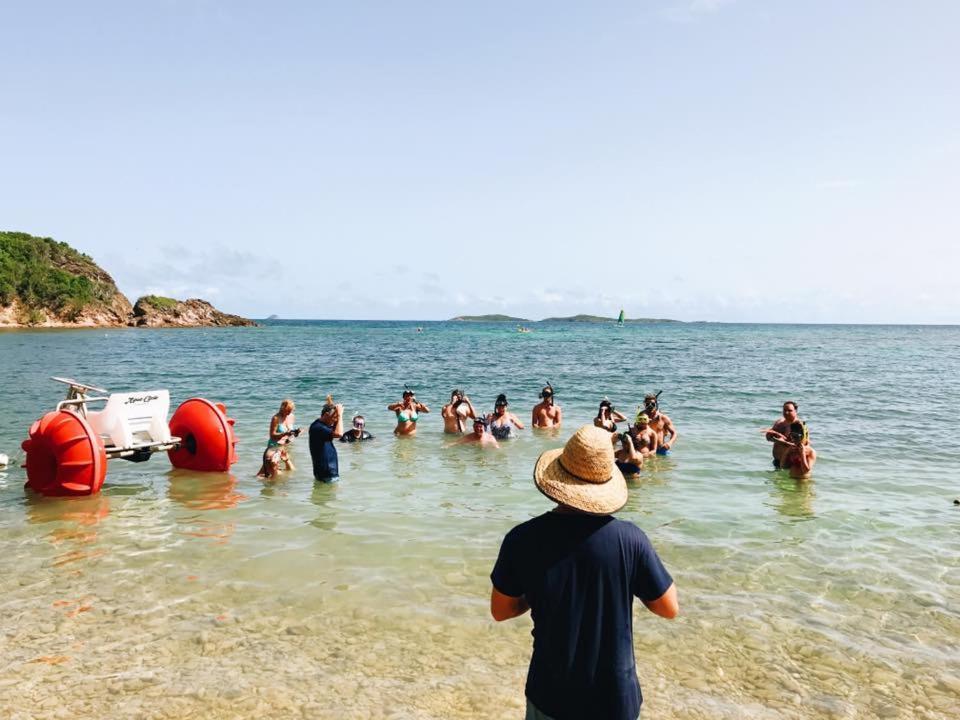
[[408, 412], [280, 435], [500, 420]]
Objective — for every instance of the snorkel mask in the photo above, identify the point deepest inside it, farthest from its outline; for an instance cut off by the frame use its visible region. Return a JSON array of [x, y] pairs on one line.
[[547, 392], [651, 403], [358, 422], [799, 433]]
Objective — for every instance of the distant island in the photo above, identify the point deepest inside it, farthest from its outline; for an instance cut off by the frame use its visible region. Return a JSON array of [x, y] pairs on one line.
[[488, 318], [599, 319], [45, 283], [571, 319]]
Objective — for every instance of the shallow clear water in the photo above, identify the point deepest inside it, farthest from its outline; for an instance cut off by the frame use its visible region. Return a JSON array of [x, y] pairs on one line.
[[173, 594]]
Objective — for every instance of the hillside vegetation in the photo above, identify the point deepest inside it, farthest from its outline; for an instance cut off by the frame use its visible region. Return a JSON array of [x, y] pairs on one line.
[[489, 318], [47, 283], [45, 277]]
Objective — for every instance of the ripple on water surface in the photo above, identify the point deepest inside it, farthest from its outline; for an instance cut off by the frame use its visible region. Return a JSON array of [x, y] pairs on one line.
[[173, 594]]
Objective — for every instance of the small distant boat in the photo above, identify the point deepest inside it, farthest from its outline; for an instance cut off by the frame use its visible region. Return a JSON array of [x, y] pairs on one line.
[[522, 329], [620, 319]]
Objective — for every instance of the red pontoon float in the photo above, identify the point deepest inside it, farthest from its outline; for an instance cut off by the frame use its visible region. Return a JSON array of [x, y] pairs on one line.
[[68, 448]]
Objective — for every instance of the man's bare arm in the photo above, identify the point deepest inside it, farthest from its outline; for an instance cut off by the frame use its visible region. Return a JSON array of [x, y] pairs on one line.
[[504, 607], [669, 428], [666, 606]]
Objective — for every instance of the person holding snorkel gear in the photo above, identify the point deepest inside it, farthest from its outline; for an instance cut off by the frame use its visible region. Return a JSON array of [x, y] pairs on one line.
[[323, 431], [282, 432], [780, 430], [408, 412], [797, 456], [607, 416], [456, 413]]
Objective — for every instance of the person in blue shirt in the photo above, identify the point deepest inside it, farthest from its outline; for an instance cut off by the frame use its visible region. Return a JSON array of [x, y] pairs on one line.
[[323, 431], [577, 569]]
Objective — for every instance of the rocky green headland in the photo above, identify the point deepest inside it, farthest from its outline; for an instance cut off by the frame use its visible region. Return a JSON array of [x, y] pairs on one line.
[[45, 283]]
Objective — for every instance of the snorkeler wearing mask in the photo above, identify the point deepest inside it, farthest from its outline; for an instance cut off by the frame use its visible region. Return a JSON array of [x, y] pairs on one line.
[[358, 433], [499, 421], [667, 434], [608, 417], [797, 456], [643, 436], [479, 436], [778, 432], [546, 413]]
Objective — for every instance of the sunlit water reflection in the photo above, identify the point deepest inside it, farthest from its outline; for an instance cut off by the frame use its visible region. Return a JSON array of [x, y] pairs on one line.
[[175, 594]]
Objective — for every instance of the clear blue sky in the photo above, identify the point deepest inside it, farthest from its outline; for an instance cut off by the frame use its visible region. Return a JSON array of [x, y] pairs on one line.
[[739, 160]]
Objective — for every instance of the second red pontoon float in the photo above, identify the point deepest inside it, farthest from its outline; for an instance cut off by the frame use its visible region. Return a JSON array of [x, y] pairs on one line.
[[68, 448]]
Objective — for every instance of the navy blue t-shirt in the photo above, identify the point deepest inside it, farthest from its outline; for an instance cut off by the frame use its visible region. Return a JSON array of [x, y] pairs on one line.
[[579, 574], [322, 451]]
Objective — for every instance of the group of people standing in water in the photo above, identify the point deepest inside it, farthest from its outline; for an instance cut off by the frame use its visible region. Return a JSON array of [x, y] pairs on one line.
[[460, 415], [651, 432], [575, 567]]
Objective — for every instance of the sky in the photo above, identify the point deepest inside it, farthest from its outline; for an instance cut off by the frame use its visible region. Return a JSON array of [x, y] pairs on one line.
[[721, 160]]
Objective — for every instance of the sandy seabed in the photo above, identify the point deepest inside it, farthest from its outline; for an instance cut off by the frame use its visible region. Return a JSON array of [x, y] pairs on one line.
[[251, 655]]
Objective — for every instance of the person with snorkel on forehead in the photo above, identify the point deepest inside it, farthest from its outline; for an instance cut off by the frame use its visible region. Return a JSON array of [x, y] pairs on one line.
[[499, 421], [408, 412], [662, 425], [547, 414]]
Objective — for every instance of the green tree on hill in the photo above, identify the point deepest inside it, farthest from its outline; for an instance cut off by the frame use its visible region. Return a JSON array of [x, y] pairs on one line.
[[45, 275]]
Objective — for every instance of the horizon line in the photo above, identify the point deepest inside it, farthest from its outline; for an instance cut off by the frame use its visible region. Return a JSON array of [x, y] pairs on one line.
[[663, 321]]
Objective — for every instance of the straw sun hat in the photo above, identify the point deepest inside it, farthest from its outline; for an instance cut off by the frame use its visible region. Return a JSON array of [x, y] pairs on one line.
[[582, 473]]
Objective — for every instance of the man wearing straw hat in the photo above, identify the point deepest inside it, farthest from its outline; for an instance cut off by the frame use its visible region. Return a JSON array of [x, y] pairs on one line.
[[577, 569]]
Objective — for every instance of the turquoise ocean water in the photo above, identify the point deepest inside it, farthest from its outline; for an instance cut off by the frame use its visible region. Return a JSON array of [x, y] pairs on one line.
[[173, 594]]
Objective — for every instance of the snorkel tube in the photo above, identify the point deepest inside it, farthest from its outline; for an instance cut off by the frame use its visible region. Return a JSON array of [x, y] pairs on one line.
[[654, 403], [548, 392]]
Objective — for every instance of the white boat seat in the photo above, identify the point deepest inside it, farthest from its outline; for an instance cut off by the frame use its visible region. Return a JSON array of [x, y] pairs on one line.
[[137, 419]]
